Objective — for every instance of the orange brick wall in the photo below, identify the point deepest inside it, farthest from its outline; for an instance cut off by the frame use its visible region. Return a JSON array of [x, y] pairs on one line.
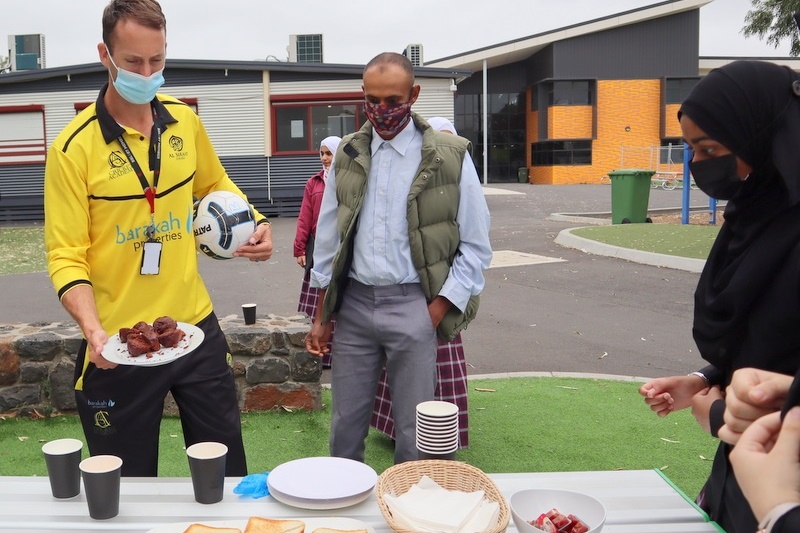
[[569, 122], [621, 104], [672, 127], [628, 116]]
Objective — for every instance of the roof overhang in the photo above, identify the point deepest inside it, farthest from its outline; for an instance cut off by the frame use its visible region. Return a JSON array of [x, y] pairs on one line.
[[521, 49], [222, 65]]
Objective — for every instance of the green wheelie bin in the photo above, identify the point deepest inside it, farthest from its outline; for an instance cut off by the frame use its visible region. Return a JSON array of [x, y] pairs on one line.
[[630, 194]]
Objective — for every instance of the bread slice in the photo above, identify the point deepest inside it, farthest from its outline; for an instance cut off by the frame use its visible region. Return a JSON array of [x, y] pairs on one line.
[[329, 530], [257, 524], [202, 528]]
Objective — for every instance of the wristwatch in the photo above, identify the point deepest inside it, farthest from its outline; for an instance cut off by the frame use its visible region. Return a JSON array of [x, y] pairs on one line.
[[700, 375]]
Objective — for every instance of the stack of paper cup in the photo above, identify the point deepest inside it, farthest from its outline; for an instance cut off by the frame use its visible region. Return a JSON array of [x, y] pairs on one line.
[[437, 430]]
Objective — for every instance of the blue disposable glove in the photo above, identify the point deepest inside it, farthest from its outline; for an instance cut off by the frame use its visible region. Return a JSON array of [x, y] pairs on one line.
[[254, 485]]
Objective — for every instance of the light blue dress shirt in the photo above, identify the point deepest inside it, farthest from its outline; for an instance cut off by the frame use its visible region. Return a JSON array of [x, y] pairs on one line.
[[381, 252]]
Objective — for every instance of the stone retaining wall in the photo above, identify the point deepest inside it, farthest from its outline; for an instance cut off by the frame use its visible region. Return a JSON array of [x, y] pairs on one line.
[[271, 365]]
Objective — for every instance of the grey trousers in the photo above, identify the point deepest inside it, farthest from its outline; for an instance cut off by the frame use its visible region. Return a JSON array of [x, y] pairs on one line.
[[376, 324]]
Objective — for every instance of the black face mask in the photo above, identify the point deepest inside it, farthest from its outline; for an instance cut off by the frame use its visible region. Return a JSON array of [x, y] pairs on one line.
[[717, 176]]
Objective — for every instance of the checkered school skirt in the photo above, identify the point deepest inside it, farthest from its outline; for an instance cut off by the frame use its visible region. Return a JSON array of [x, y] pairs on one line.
[[309, 298], [451, 386]]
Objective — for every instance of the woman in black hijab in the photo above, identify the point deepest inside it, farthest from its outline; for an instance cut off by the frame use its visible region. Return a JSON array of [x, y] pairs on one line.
[[742, 122]]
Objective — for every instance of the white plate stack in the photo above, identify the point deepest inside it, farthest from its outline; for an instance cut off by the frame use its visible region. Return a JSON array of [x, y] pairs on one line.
[[437, 430]]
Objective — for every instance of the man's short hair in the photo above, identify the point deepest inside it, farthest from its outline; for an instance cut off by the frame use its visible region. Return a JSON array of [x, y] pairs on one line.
[[391, 58], [145, 12]]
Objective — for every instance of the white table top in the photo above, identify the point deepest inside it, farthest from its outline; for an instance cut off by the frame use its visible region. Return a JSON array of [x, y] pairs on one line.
[[637, 501]]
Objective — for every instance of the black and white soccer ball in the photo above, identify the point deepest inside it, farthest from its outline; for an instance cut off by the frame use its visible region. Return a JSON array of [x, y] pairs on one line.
[[223, 221]]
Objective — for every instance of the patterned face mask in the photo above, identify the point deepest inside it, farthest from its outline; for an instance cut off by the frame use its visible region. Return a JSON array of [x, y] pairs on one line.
[[388, 119]]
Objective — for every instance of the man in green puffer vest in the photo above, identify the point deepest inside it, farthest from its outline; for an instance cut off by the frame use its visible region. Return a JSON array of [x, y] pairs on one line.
[[402, 242]]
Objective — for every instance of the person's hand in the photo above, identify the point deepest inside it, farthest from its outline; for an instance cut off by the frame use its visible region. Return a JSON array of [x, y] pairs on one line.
[[438, 307], [766, 461], [96, 341], [259, 245], [318, 338], [752, 394], [665, 395], [301, 260], [701, 406]]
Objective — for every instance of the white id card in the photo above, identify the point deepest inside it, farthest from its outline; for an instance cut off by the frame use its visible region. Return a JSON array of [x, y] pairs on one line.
[[151, 258]]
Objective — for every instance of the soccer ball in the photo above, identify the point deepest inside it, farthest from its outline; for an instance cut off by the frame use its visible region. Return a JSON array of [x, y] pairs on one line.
[[222, 222]]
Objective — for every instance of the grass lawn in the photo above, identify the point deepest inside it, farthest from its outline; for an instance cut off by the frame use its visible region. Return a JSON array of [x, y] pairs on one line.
[[22, 250], [672, 239], [516, 425]]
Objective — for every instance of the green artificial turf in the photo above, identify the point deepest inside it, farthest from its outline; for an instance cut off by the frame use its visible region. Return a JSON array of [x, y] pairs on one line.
[[516, 425], [684, 240]]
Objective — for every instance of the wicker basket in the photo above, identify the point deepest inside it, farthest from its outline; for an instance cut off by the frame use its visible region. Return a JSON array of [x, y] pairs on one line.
[[451, 475]]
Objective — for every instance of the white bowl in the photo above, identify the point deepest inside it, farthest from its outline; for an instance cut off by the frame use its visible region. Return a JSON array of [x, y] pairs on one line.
[[527, 505]]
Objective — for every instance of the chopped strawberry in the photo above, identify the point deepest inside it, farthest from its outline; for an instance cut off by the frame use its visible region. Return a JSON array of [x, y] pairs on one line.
[[578, 525], [543, 523]]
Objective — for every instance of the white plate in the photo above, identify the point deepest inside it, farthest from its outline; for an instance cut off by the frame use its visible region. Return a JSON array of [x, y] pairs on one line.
[[319, 505], [322, 480], [333, 522], [116, 351]]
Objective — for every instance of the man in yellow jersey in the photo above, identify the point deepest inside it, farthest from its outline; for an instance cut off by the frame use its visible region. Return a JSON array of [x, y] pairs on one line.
[[119, 187]]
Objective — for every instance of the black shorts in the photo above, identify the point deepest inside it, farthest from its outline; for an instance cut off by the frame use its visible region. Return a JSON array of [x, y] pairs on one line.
[[121, 409]]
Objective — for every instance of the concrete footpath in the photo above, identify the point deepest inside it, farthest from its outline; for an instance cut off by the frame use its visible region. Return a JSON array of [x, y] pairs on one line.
[[554, 304]]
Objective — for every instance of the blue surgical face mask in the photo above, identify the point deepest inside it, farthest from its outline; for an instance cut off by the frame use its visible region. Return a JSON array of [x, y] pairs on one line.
[[135, 88]]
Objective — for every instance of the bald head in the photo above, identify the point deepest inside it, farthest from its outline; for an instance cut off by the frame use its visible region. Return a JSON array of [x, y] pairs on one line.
[[391, 61]]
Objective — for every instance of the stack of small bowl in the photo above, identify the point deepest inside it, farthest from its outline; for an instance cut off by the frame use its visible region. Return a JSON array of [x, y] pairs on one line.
[[437, 430]]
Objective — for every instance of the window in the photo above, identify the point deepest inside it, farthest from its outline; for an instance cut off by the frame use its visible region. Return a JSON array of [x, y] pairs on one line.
[[300, 127], [506, 135], [551, 153], [22, 138], [677, 89], [578, 92]]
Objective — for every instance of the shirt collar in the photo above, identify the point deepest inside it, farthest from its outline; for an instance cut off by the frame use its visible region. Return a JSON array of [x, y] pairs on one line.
[[112, 130], [400, 142]]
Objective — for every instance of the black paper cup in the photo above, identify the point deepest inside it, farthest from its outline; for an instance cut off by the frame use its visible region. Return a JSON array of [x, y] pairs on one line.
[[101, 478], [62, 457], [207, 466], [249, 311]]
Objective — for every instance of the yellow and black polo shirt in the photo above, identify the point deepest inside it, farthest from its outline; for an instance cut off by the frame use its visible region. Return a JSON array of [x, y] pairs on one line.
[[96, 213]]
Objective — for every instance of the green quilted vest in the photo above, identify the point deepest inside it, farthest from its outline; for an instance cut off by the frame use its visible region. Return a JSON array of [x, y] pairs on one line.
[[432, 209]]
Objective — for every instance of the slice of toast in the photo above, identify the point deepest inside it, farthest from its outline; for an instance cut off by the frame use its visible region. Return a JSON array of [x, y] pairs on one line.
[[202, 528], [257, 524]]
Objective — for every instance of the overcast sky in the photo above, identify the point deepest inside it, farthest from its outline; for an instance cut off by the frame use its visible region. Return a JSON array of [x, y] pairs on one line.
[[354, 30]]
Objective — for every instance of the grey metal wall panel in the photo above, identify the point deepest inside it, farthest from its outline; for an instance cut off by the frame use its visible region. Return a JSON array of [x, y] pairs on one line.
[[664, 47], [21, 180], [510, 78], [73, 82], [220, 76], [540, 65]]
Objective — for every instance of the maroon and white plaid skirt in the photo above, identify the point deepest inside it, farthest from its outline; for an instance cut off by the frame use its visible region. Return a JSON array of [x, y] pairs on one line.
[[451, 386]]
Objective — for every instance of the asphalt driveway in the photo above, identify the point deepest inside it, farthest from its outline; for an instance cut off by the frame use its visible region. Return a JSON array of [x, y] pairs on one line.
[[564, 311]]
